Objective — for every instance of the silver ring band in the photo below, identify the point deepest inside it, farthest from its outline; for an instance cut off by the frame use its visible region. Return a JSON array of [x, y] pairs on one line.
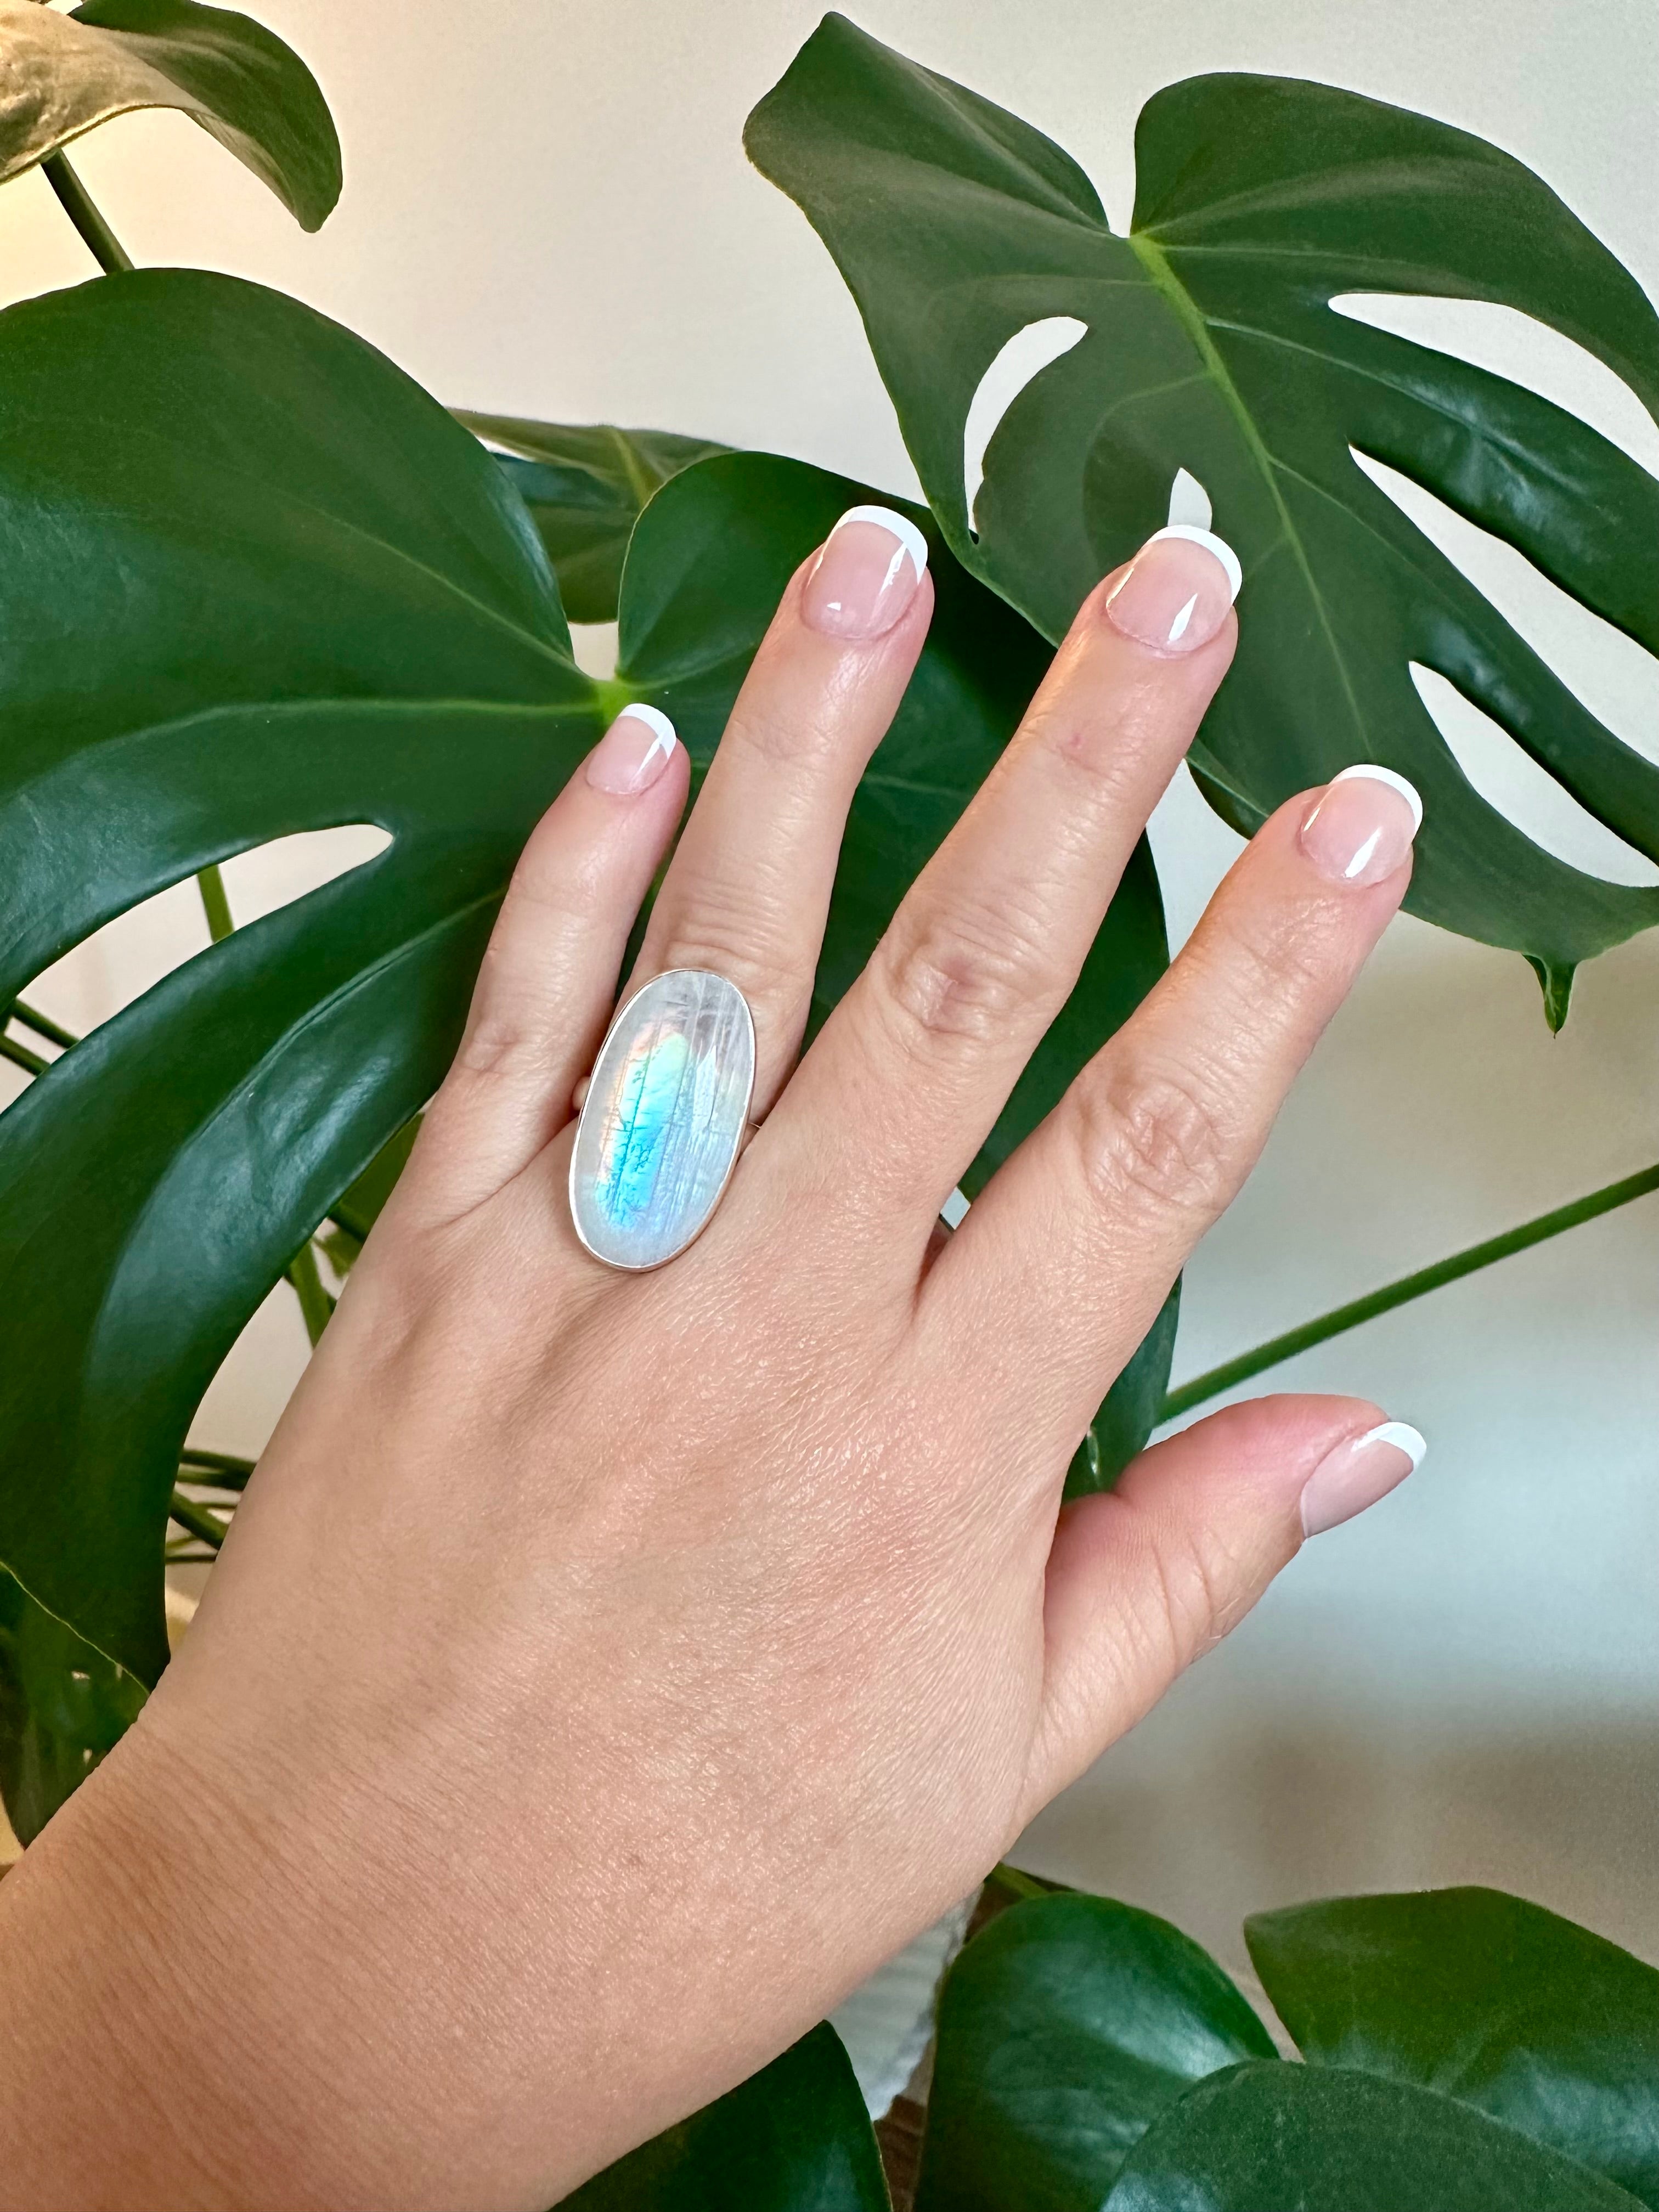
[[665, 1117]]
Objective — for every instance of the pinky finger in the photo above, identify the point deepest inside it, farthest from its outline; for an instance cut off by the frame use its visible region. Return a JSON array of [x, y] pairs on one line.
[[545, 991], [1144, 1578]]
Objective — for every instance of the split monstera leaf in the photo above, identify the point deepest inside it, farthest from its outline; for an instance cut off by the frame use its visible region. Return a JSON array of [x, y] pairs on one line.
[[1205, 339], [1463, 2048]]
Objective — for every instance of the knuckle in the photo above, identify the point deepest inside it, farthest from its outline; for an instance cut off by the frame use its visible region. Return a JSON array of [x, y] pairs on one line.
[[1200, 1582], [1285, 955], [779, 739], [1098, 751], [1152, 1139], [493, 1045], [510, 1031], [956, 977]]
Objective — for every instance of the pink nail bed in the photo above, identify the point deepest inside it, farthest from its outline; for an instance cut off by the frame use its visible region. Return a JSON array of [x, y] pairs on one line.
[[633, 752], [867, 574], [1362, 826], [1177, 591], [1357, 1472]]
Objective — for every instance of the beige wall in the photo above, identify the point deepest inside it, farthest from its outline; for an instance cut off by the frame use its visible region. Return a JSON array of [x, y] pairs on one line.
[[547, 211]]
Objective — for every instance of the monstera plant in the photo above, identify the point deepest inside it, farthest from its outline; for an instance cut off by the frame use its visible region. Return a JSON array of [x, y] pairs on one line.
[[253, 581]]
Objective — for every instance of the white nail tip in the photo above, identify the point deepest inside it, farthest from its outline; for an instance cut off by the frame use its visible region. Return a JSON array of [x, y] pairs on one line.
[[1401, 1436], [1190, 503], [656, 721], [900, 526], [1211, 544], [1396, 782]]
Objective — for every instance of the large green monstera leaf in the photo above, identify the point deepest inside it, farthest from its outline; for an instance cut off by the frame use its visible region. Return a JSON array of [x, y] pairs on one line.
[[64, 73], [1205, 340], [256, 581]]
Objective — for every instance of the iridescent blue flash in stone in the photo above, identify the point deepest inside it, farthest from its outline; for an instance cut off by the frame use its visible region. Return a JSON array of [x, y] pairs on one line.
[[664, 1118]]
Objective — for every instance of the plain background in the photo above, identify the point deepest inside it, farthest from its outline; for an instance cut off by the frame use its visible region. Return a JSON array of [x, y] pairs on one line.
[[548, 212]]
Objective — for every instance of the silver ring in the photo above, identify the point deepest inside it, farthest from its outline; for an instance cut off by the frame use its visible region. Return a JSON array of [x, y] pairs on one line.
[[665, 1117]]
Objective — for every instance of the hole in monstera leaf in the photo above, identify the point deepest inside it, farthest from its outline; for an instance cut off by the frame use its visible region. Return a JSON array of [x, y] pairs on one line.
[[594, 647], [1608, 673], [1506, 343], [267, 877], [1025, 355], [131, 953], [1524, 792]]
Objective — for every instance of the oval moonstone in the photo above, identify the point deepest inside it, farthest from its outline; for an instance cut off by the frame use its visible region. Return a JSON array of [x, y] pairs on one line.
[[664, 1119]]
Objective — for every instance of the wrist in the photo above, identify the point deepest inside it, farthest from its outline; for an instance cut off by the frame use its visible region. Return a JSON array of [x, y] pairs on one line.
[[185, 2016]]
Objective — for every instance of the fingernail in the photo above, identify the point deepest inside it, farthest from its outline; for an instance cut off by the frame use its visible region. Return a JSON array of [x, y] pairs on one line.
[[1361, 826], [1359, 1471], [633, 752], [1176, 595], [866, 575]]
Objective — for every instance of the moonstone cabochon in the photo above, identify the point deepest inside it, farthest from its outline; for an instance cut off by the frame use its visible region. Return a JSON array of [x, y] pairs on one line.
[[664, 1119]]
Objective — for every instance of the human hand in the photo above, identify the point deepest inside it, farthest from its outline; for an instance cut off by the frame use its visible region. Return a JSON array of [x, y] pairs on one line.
[[605, 1672]]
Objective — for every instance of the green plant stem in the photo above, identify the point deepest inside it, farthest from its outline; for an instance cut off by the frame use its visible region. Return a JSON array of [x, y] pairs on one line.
[[197, 1518], [1022, 1886], [106, 248], [315, 1303], [21, 1057], [42, 1024], [224, 1469], [1211, 1385], [216, 903]]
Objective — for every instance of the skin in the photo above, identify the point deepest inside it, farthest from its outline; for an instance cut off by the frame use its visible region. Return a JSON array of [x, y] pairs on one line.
[[606, 1673]]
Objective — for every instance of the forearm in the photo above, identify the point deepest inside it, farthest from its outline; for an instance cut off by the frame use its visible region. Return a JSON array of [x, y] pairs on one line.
[[186, 2019], [239, 1997], [110, 2093]]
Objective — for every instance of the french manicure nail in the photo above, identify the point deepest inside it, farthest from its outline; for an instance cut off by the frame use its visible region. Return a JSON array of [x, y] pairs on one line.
[[866, 575], [1178, 590], [1360, 827], [633, 752], [1357, 1472]]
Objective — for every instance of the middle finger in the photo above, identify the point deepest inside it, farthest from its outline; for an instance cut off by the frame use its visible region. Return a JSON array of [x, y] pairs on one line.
[[989, 942]]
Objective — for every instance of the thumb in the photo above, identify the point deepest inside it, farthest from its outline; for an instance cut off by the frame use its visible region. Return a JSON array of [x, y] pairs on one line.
[[1144, 1578]]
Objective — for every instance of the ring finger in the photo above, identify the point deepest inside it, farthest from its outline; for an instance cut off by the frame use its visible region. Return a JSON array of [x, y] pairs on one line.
[[748, 888]]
